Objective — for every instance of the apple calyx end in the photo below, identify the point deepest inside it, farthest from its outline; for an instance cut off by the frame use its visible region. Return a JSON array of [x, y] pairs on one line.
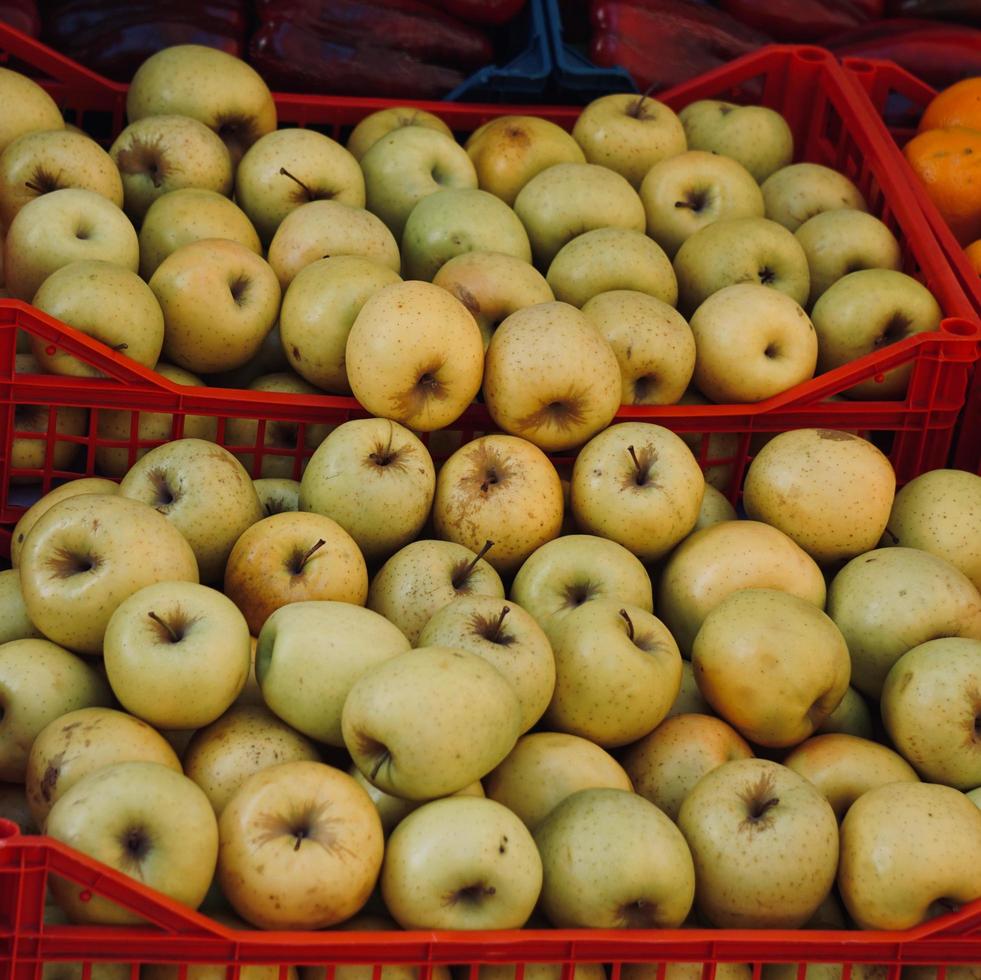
[[470, 895], [638, 914]]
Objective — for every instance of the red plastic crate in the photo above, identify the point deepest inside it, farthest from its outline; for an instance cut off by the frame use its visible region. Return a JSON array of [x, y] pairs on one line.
[[829, 123], [176, 935], [898, 99], [830, 127]]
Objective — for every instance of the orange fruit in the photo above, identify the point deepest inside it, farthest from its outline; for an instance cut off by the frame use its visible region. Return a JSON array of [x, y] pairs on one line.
[[948, 162], [958, 105], [974, 256]]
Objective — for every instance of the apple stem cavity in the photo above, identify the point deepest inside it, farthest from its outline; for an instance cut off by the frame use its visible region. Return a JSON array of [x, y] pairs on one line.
[[300, 559], [285, 173], [471, 895], [459, 580], [175, 635], [630, 623], [382, 457]]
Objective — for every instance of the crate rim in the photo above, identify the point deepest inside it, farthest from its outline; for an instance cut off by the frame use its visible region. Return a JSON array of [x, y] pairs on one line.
[[944, 940]]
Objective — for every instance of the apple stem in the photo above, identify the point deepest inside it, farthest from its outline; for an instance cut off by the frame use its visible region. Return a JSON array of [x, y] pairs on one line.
[[37, 188], [119, 347], [496, 632], [638, 107], [630, 623], [173, 633], [300, 566], [633, 456], [286, 173], [468, 569]]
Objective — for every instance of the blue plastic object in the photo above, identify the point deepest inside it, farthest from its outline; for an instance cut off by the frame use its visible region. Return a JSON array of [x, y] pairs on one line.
[[526, 76], [576, 77]]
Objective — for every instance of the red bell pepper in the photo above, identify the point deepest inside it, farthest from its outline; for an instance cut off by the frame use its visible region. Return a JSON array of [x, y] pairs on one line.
[[801, 21], [940, 55], [364, 22], [687, 10], [21, 14], [490, 12], [961, 11], [293, 57]]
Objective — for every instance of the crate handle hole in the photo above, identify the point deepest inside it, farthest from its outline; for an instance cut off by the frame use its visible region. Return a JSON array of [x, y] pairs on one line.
[[960, 328]]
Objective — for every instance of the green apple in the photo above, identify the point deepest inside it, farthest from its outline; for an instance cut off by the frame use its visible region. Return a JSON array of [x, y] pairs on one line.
[[245, 739], [719, 560], [177, 654], [829, 491], [509, 150], [310, 654], [39, 682], [611, 258], [162, 153], [544, 768], [756, 136], [461, 863], [665, 765], [190, 215], [398, 718], [798, 647], [930, 703], [889, 600], [425, 575], [83, 741], [653, 343], [632, 867], [376, 479], [290, 167], [204, 491], [142, 819], [451, 221], [550, 377], [843, 767], [908, 851], [842, 241], [567, 199], [498, 488], [629, 133], [40, 162], [407, 164], [940, 512], [799, 191], [506, 635], [684, 193], [219, 301], [15, 624], [740, 250], [751, 343], [323, 229], [617, 673], [108, 303], [765, 845], [638, 484], [29, 108], [866, 311], [318, 310], [65, 226], [377, 124], [492, 286], [210, 85], [87, 554], [414, 354]]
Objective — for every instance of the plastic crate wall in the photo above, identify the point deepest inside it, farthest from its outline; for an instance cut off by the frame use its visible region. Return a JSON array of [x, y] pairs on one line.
[[898, 100]]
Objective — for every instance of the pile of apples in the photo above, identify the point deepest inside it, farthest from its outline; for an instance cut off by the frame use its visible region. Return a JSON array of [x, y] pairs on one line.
[[470, 696]]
